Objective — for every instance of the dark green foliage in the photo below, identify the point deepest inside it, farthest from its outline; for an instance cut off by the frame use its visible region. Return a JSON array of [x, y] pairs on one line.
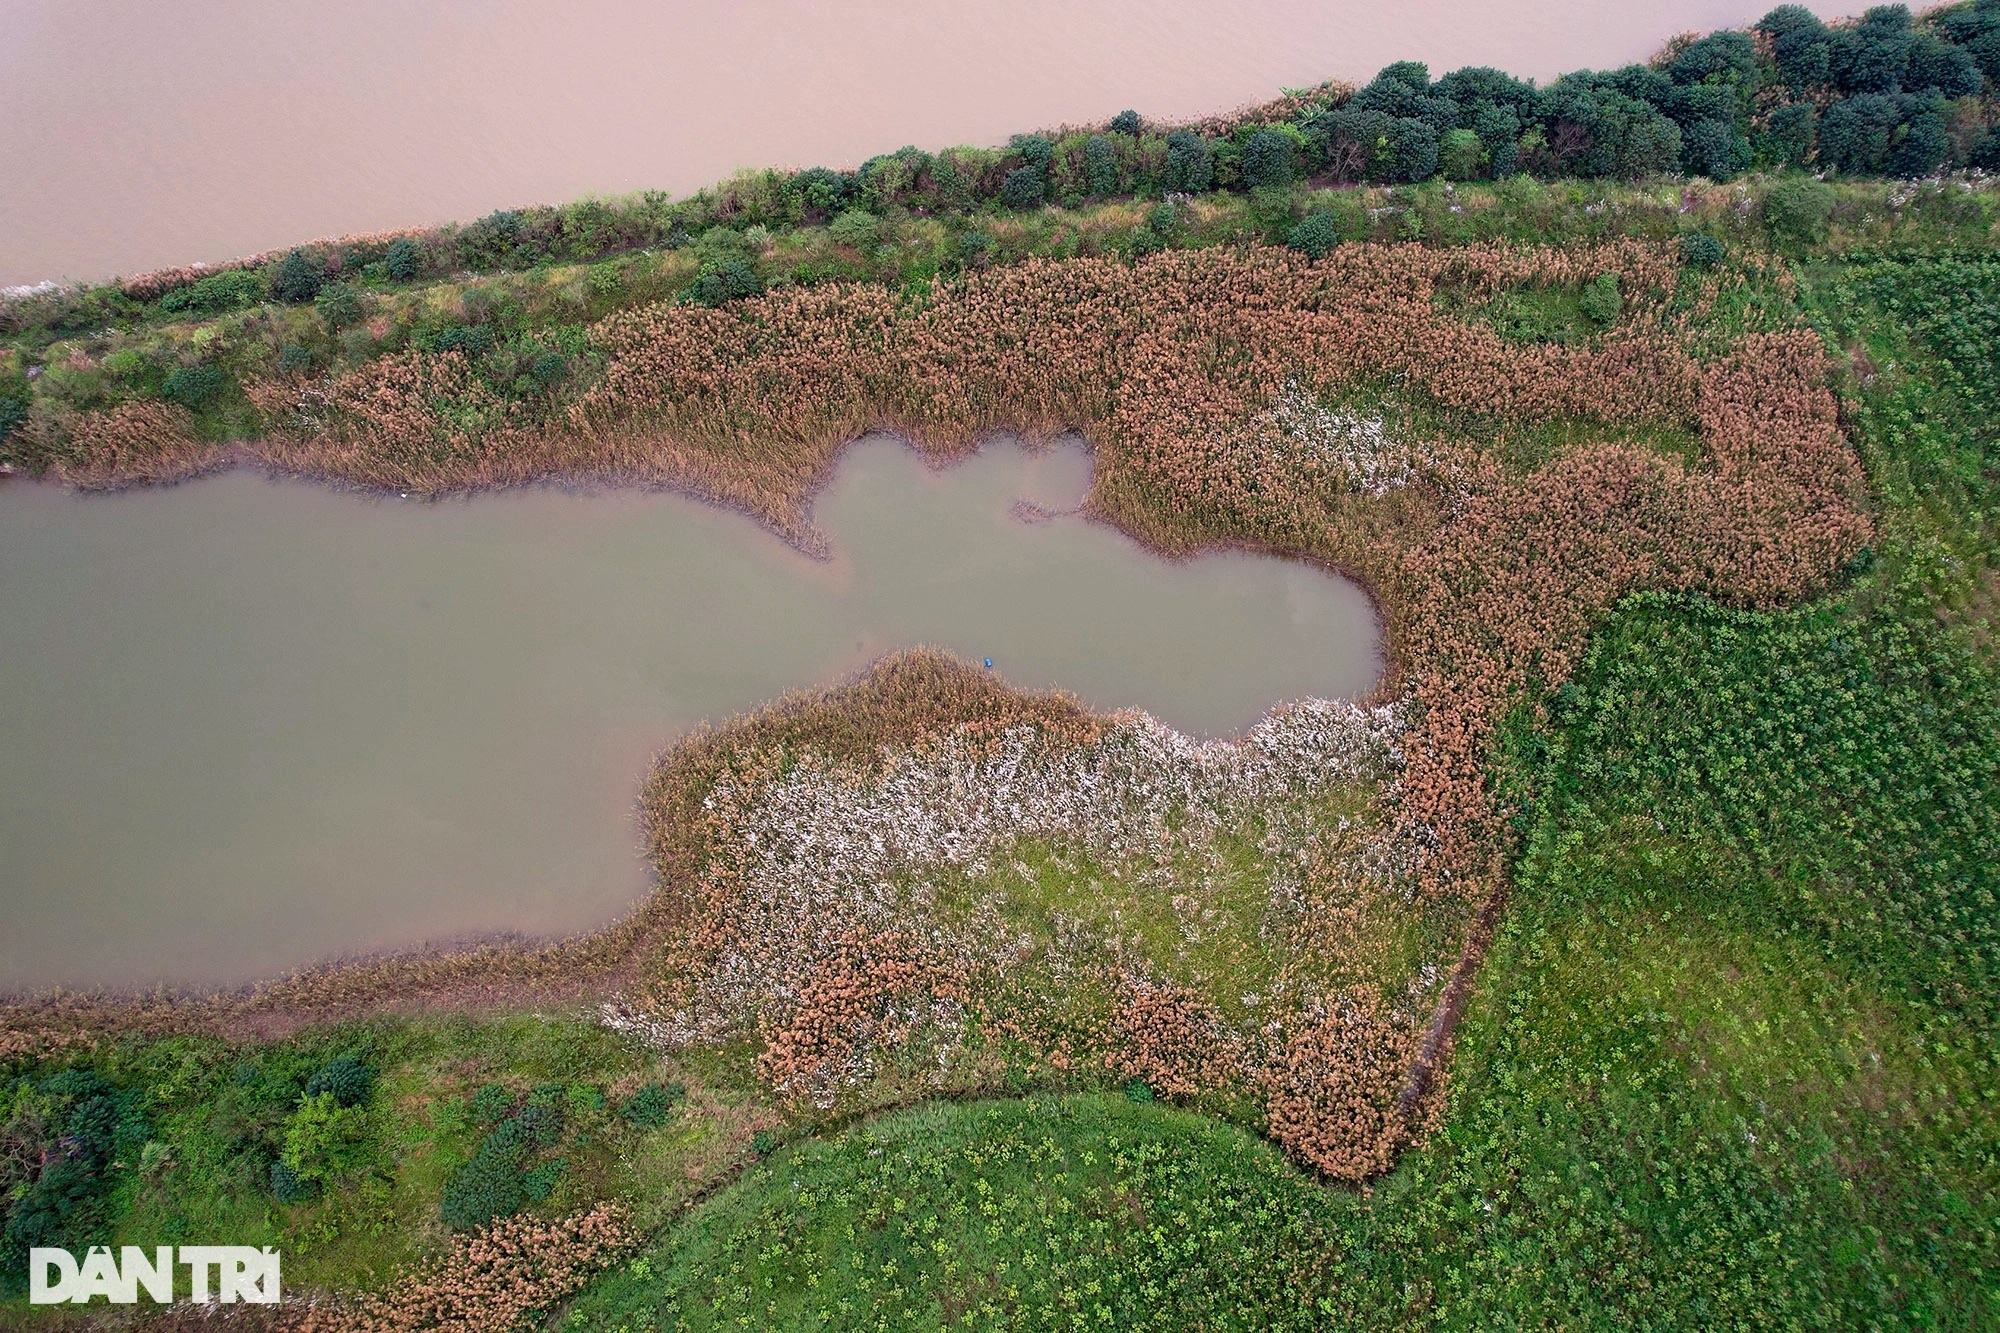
[[1874, 54], [1801, 45], [216, 294], [974, 247], [1924, 146], [1100, 165], [73, 1137], [1939, 69], [1700, 250], [402, 260], [1799, 210], [1720, 58], [1976, 29], [1353, 141], [348, 1079], [1600, 300], [549, 369], [1593, 129], [763, 1143], [1034, 150], [13, 411], [287, 1186], [822, 191], [1267, 160], [1138, 1090], [193, 387], [1855, 134], [495, 241], [650, 1106], [1128, 123], [1413, 150], [491, 1104], [1714, 149], [294, 359], [496, 1182], [723, 283], [473, 340], [1023, 188], [1190, 164], [1789, 134], [339, 305], [1164, 219], [298, 277], [1317, 232], [538, 1182]]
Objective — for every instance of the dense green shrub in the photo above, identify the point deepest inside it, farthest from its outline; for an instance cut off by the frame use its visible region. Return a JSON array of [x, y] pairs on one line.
[[496, 1182], [490, 1105], [549, 369], [348, 1079], [649, 1107], [1461, 155], [1700, 250], [1799, 210], [216, 294], [1023, 188], [821, 191], [294, 359], [71, 1138], [856, 227], [339, 304], [1100, 165], [288, 1186], [1267, 160], [730, 280], [1127, 122], [402, 260], [326, 1140], [193, 387], [1035, 150], [13, 411], [298, 277], [1317, 232], [1190, 164], [473, 340], [1600, 300]]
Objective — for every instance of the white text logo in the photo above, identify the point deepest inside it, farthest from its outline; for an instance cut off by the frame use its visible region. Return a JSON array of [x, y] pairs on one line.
[[221, 1273]]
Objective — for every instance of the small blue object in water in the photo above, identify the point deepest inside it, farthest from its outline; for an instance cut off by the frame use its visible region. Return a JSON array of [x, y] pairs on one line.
[[989, 664]]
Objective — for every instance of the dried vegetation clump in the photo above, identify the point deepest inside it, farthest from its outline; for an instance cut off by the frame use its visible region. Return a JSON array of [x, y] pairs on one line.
[[491, 1282]]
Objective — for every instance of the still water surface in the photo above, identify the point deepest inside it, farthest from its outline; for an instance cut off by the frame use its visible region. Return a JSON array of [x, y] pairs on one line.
[[248, 725], [141, 134]]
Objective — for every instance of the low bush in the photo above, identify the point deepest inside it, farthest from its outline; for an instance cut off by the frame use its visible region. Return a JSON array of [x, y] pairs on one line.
[[402, 260], [298, 277], [348, 1080], [193, 387], [1023, 189]]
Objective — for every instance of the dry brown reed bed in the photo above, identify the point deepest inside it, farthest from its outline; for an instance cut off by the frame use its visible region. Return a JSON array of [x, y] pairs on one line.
[[1178, 368]]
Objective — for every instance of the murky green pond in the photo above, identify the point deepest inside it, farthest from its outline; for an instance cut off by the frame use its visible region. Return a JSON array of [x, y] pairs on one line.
[[249, 725]]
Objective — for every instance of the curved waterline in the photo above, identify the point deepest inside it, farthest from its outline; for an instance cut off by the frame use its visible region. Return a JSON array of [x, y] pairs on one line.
[[254, 725]]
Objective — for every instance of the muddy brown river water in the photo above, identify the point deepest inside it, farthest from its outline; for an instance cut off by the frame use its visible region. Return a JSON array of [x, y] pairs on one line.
[[141, 134], [248, 725]]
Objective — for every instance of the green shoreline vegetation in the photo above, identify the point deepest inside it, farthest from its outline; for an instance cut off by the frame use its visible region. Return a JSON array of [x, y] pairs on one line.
[[1729, 1060]]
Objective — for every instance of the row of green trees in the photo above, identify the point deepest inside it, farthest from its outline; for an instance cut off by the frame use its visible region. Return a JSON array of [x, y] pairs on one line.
[[1886, 94]]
